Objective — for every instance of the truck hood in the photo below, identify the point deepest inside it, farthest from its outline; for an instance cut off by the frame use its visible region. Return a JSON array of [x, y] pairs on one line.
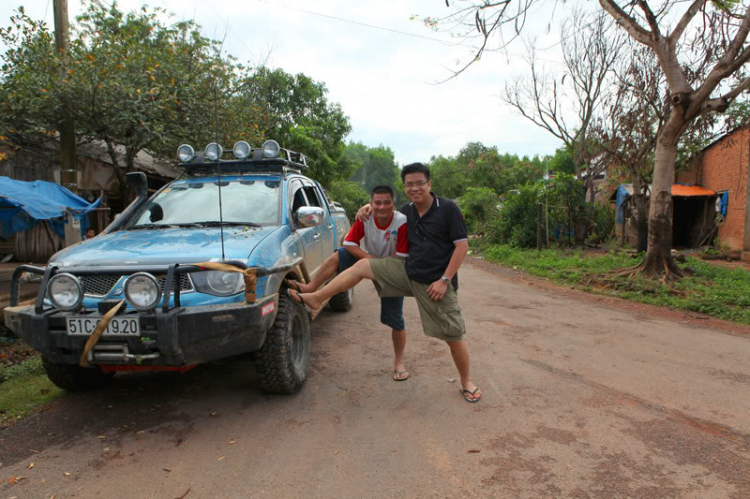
[[163, 246]]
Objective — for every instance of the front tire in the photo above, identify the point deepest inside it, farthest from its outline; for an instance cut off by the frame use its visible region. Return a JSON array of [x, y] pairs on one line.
[[342, 302], [284, 359], [74, 378]]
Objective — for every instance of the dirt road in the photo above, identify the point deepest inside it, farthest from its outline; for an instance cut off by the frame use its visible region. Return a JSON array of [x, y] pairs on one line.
[[583, 397]]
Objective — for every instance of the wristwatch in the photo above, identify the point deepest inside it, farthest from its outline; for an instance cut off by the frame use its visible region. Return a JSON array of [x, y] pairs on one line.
[[445, 279]]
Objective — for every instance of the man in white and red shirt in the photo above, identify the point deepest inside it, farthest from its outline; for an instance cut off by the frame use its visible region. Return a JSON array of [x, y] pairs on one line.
[[381, 236]]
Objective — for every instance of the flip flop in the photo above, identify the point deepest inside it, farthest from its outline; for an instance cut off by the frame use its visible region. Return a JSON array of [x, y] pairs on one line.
[[292, 285], [474, 398], [301, 302], [399, 375]]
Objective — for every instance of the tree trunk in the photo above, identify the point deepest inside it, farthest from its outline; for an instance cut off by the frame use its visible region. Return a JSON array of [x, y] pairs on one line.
[[659, 262], [639, 200]]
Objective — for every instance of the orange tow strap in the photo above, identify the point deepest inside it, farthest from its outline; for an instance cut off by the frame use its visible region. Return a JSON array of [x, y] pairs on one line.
[[248, 275]]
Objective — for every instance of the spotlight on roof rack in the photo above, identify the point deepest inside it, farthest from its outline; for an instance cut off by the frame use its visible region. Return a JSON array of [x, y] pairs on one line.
[[213, 151], [241, 150], [185, 153], [271, 149]]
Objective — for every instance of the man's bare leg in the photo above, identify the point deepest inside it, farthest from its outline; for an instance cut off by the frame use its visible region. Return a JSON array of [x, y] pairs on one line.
[[460, 353], [399, 345], [345, 280], [326, 271]]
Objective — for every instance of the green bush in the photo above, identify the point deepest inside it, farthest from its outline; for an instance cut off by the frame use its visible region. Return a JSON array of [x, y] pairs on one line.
[[350, 195], [603, 222], [479, 204], [517, 220]]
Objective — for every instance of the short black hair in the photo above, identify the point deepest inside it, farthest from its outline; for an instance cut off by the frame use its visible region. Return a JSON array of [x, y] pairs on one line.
[[415, 168], [382, 189]]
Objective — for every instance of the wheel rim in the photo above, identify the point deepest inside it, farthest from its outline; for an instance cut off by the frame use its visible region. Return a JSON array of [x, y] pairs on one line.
[[298, 342]]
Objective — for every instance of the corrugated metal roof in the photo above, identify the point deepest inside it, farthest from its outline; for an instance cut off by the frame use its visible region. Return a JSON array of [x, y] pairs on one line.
[[677, 190], [690, 190]]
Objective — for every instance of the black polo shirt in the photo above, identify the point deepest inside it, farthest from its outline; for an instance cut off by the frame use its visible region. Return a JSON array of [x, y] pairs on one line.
[[432, 238]]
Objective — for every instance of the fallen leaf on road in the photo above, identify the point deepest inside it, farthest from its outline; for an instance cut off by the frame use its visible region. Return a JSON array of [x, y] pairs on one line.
[[139, 432], [222, 458], [473, 451], [451, 380], [335, 453], [167, 470], [183, 495], [213, 414], [66, 474], [53, 496], [106, 449], [34, 451], [31, 465], [101, 437], [232, 442]]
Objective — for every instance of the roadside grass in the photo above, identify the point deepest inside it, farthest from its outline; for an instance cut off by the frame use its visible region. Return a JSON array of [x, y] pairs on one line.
[[24, 387], [711, 290]]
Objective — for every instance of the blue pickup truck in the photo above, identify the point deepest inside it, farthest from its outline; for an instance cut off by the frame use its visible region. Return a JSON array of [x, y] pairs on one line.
[[254, 212]]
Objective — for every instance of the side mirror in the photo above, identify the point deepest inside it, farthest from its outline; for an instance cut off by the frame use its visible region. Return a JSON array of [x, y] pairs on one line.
[[310, 216], [156, 213], [138, 182]]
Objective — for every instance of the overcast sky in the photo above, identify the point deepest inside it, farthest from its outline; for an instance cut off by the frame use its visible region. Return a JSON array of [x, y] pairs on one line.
[[382, 67]]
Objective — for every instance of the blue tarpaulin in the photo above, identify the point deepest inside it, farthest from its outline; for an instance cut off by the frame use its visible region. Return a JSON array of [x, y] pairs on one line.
[[622, 195], [25, 204]]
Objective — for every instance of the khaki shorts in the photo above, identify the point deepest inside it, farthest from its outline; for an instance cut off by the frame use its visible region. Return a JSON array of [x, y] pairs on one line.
[[440, 319]]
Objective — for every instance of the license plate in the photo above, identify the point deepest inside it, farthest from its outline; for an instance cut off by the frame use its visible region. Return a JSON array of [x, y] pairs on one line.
[[118, 326]]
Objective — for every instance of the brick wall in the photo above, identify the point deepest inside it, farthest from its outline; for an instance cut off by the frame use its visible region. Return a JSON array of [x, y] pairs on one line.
[[723, 167]]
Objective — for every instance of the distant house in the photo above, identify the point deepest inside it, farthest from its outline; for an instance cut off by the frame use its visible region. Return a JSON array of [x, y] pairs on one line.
[[96, 180], [723, 168]]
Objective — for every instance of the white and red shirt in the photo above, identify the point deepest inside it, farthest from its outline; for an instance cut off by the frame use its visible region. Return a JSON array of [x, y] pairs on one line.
[[381, 242]]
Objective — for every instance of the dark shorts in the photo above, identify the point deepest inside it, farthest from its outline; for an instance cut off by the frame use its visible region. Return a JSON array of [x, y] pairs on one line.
[[391, 308]]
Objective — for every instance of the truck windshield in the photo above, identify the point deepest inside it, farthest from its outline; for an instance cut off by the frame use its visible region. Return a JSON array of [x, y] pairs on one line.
[[196, 201]]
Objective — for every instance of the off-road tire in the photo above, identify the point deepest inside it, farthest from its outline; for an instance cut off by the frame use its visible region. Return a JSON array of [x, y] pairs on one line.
[[284, 359], [342, 302], [74, 378]]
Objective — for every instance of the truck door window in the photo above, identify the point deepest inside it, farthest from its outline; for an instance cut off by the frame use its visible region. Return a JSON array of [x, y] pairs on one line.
[[312, 196], [297, 196]]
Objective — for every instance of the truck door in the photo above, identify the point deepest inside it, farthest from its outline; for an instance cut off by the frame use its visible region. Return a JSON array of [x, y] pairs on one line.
[[309, 236], [327, 237]]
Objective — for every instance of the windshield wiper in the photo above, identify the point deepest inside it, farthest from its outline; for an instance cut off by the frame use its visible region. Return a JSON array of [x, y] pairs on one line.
[[216, 223], [150, 227]]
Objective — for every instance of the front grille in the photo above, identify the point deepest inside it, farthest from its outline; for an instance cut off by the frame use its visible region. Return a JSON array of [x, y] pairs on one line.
[[101, 285]]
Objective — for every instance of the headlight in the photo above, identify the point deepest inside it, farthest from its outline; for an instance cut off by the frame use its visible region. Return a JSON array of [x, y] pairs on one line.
[[142, 291], [185, 153], [213, 151], [271, 149], [65, 291], [241, 150], [218, 283]]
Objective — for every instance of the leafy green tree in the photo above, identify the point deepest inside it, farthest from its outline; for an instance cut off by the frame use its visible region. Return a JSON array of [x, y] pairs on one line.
[[562, 161], [448, 177], [295, 111], [480, 206], [567, 205], [376, 165]]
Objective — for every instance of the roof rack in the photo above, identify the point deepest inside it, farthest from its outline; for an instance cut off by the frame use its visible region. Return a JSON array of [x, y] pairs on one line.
[[287, 162]]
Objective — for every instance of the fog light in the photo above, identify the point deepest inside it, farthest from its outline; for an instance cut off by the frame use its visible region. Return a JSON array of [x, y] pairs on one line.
[[65, 291], [271, 149], [185, 153], [241, 150], [142, 291], [213, 151]]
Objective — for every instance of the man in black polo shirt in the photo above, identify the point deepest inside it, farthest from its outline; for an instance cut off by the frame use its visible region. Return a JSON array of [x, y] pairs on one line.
[[437, 247]]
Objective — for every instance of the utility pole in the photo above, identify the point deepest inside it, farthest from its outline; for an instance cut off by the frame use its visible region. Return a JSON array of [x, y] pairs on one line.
[[68, 173]]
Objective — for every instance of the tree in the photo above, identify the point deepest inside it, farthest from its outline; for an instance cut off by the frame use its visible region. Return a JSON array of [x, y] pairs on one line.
[[448, 177], [714, 54], [480, 205], [637, 104], [376, 165], [589, 48], [720, 50], [295, 111]]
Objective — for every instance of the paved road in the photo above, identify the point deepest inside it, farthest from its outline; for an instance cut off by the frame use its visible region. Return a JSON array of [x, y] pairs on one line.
[[582, 399]]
